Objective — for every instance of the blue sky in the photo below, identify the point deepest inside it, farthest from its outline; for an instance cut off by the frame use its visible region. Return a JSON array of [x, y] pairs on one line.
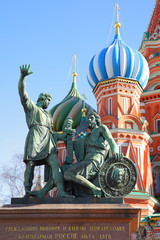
[[46, 34]]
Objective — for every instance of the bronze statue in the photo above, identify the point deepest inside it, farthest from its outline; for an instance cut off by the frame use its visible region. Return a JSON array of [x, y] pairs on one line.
[[40, 147], [95, 170], [91, 152]]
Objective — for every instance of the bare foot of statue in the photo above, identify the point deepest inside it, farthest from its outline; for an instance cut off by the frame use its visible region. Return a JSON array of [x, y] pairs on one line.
[[42, 194], [38, 194], [27, 191], [97, 192], [64, 194]]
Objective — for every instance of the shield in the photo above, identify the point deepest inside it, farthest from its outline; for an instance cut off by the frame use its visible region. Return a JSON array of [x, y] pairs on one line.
[[117, 176]]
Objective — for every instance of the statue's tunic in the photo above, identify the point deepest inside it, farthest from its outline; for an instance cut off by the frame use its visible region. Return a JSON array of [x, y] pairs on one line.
[[39, 142], [89, 158]]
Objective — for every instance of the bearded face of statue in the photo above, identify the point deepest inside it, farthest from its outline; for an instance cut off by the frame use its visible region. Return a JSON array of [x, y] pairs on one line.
[[119, 175], [46, 103], [92, 122], [68, 124]]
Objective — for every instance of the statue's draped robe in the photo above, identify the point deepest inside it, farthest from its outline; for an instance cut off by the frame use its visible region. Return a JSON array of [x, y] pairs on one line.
[[96, 158], [94, 155], [39, 142]]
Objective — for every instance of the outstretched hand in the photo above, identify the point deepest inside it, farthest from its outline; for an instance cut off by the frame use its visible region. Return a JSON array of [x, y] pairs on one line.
[[24, 69]]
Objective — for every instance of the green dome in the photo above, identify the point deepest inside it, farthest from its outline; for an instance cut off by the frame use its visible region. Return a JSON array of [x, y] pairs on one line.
[[71, 106]]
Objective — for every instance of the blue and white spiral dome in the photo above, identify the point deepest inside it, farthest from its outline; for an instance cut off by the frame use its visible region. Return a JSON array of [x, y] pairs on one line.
[[118, 60]]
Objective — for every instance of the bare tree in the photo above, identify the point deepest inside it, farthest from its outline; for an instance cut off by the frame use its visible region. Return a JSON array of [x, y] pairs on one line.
[[12, 178]]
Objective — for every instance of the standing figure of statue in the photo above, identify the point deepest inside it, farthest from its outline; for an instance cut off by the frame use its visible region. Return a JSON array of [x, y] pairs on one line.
[[91, 152], [40, 147]]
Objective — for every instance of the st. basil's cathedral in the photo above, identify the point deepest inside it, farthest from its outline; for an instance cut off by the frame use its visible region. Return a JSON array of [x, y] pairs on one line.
[[126, 85]]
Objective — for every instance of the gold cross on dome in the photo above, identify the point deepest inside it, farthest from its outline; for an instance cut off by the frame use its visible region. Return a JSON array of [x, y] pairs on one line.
[[84, 96], [117, 11], [75, 60]]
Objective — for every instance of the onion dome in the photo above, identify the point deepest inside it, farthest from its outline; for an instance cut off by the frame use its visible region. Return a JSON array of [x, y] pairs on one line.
[[71, 106], [118, 60], [81, 130]]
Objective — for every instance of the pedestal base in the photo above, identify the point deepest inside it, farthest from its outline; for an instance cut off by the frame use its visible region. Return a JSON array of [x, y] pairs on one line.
[[72, 200], [68, 221]]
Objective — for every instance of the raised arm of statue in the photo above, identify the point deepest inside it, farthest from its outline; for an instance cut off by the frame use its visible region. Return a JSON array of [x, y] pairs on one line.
[[24, 69]]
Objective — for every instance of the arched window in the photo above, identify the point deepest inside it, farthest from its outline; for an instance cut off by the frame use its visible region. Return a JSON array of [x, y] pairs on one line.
[[151, 56], [158, 125], [110, 106], [125, 105], [156, 179], [156, 54], [99, 108], [157, 87]]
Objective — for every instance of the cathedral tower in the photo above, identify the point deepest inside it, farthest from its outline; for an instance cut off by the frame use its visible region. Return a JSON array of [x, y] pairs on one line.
[[150, 99], [118, 74]]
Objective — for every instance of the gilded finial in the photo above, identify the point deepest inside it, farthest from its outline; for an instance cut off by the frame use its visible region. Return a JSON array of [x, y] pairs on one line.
[[117, 24], [84, 109], [38, 183], [74, 74]]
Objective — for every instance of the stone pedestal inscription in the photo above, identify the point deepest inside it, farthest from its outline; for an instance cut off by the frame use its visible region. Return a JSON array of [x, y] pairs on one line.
[[68, 222], [59, 231]]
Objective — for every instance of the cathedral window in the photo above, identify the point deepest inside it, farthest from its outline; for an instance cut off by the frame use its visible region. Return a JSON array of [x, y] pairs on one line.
[[109, 125], [110, 106], [128, 125], [151, 149], [125, 105], [156, 54], [156, 179], [157, 87], [151, 56], [158, 126], [99, 108]]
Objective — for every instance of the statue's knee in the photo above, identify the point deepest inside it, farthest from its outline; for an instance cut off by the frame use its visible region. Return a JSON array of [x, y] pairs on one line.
[[68, 175], [30, 164], [65, 175]]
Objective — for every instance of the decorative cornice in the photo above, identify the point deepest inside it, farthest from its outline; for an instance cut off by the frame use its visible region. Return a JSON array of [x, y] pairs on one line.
[[149, 44], [150, 96], [148, 93], [117, 79], [132, 131]]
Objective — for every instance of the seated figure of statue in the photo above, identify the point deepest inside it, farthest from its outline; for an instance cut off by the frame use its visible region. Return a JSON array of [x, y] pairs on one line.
[[91, 152]]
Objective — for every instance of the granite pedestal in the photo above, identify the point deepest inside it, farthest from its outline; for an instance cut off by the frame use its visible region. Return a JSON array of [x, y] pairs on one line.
[[59, 221]]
